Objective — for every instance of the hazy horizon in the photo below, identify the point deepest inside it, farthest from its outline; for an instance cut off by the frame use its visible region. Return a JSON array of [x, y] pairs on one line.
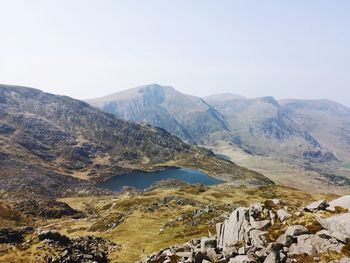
[[89, 49]]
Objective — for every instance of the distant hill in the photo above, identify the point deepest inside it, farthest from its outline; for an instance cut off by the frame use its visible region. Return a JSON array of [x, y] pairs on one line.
[[53, 145]]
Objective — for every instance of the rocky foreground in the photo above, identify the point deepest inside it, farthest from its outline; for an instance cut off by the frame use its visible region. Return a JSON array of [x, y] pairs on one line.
[[272, 232], [127, 227]]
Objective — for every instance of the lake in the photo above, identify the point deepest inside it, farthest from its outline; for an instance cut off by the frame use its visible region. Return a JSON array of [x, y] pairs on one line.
[[143, 180]]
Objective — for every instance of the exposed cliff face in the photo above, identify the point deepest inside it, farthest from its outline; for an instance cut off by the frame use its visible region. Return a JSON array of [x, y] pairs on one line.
[[328, 121], [258, 126], [188, 117], [264, 126], [46, 139]]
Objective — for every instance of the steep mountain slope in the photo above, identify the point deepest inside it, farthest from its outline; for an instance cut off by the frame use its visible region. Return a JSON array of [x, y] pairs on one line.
[[258, 126], [188, 117], [262, 126], [47, 140], [293, 142], [327, 120]]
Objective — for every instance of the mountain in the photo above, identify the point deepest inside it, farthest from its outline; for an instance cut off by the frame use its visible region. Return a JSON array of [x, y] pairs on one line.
[[327, 120], [188, 117], [261, 126], [54, 144], [263, 134]]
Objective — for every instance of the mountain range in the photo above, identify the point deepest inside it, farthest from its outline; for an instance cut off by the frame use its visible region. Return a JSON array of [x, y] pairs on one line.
[[312, 134], [54, 144]]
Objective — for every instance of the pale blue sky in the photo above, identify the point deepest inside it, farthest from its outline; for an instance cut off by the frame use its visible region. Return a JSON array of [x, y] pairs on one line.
[[84, 49]]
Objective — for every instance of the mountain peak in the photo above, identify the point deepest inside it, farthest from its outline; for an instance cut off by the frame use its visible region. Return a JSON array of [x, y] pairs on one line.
[[224, 97], [153, 89]]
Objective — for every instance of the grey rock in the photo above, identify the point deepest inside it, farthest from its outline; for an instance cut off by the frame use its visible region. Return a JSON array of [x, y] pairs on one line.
[[263, 224], [311, 245], [296, 230], [273, 247], [286, 240], [234, 228], [208, 243], [283, 215], [273, 257], [343, 202], [257, 237], [241, 250], [338, 226], [212, 255], [324, 234], [261, 253], [242, 259], [318, 205], [272, 217]]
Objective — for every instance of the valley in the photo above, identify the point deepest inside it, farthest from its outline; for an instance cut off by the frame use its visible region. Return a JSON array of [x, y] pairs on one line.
[[152, 131], [297, 143], [81, 185], [64, 146]]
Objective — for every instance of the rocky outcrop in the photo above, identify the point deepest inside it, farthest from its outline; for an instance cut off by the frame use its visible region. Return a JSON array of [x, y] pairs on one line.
[[318, 205], [242, 225], [244, 237], [10, 236], [87, 249], [338, 226], [343, 202], [46, 208]]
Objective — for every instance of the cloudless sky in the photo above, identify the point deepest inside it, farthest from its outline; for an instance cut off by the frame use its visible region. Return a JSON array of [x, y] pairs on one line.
[[90, 48]]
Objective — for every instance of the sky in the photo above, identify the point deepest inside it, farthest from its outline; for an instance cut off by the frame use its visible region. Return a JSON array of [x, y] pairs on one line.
[[91, 48]]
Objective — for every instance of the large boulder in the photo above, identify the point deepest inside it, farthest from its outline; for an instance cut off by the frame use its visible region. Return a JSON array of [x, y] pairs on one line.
[[244, 224], [313, 244], [318, 205], [338, 226], [234, 229], [286, 240], [343, 202], [296, 230]]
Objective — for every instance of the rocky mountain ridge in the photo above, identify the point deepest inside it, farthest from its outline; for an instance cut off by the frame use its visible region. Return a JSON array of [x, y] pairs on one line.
[[262, 126]]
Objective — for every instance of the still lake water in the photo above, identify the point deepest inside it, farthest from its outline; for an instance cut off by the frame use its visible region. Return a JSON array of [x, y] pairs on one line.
[[142, 180]]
